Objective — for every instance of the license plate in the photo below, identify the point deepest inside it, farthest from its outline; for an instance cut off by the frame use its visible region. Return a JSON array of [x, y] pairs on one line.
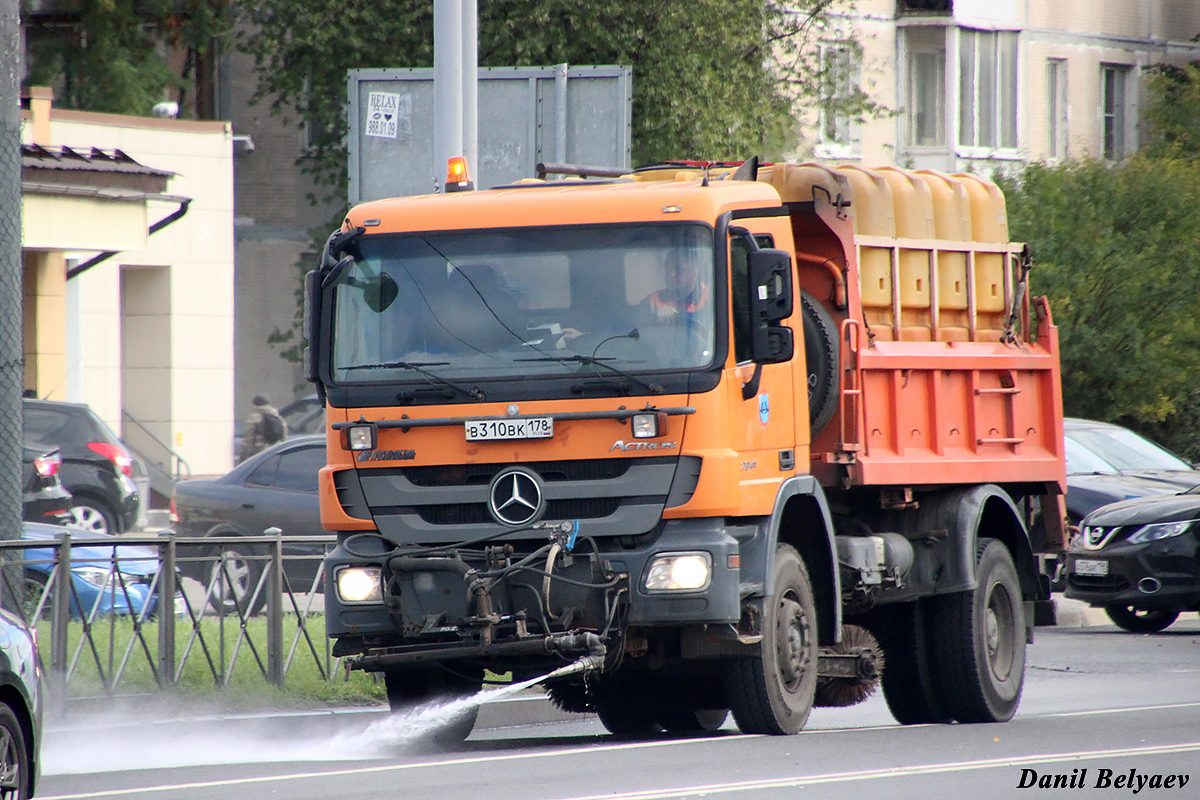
[[1089, 567], [482, 430]]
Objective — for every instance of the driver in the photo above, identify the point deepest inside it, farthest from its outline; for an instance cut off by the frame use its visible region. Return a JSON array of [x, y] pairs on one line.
[[684, 293]]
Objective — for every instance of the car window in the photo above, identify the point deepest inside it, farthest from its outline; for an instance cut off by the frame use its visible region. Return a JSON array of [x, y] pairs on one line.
[[1081, 461], [1126, 450], [298, 469], [264, 474], [50, 426]]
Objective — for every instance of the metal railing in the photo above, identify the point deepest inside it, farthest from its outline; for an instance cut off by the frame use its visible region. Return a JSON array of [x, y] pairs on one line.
[[128, 612]]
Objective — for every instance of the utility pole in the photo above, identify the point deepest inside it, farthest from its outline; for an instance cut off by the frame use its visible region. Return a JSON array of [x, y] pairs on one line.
[[455, 78], [12, 363]]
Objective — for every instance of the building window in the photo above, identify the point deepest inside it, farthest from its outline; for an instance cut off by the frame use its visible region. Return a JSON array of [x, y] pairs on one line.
[[1056, 108], [926, 6], [927, 97], [839, 77], [987, 108], [1112, 88]]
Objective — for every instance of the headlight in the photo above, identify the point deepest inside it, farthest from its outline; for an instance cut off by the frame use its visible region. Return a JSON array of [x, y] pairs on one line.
[[679, 572], [359, 585], [649, 425], [103, 578], [1160, 530], [360, 437]]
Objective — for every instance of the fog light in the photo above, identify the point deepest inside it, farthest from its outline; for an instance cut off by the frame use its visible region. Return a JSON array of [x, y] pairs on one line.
[[359, 585], [359, 437], [650, 425], [679, 572]]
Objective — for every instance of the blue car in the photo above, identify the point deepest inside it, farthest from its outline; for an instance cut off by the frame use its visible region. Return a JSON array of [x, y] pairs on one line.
[[96, 589]]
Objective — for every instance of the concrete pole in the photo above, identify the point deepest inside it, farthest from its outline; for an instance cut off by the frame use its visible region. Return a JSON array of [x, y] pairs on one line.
[[447, 84], [470, 94]]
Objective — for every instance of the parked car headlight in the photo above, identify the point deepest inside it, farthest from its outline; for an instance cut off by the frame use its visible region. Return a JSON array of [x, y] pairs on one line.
[[103, 578], [96, 576], [359, 585], [1160, 530]]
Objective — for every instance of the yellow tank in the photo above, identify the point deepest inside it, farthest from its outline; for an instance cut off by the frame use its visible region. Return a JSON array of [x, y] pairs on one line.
[[952, 221], [914, 220], [874, 212], [989, 223]]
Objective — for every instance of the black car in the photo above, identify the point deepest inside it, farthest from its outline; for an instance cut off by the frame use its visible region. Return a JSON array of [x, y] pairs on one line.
[[1139, 560], [1107, 463], [43, 497], [97, 468], [20, 709], [274, 488]]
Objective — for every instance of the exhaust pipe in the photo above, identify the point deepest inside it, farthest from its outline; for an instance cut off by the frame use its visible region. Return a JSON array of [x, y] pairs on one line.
[[1149, 585]]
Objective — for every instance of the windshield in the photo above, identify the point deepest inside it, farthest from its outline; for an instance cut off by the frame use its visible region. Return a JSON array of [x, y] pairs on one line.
[[1125, 450], [525, 303]]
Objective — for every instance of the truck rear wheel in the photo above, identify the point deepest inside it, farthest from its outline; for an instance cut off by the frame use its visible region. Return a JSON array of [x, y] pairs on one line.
[[980, 640], [408, 689], [772, 692]]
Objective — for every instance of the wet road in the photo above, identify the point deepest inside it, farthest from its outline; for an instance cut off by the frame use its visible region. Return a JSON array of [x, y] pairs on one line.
[[1107, 713]]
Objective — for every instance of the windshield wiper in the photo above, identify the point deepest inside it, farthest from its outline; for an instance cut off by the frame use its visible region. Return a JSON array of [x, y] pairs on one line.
[[592, 361], [475, 393]]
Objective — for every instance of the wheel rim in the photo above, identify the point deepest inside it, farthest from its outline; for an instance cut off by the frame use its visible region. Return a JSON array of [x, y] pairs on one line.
[[234, 582], [89, 519], [792, 644], [998, 632], [10, 764]]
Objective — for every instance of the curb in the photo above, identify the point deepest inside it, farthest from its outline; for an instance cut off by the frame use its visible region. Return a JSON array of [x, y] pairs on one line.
[[1078, 614]]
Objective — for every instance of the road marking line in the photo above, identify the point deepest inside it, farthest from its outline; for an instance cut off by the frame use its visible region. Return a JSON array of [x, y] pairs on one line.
[[714, 788]]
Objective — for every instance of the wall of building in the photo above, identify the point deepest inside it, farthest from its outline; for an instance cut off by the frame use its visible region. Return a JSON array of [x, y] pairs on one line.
[[150, 332]]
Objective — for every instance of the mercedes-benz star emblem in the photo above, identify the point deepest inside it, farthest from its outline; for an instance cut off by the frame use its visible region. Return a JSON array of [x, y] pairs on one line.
[[515, 497]]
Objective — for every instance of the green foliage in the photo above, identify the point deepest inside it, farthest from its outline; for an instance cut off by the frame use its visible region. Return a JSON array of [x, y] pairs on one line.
[[1116, 250], [1173, 113], [113, 55], [712, 79]]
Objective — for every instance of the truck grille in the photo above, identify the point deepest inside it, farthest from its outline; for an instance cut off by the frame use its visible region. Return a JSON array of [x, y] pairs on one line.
[[433, 504]]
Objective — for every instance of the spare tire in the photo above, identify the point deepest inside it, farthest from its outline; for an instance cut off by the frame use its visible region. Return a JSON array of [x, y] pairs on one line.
[[822, 348]]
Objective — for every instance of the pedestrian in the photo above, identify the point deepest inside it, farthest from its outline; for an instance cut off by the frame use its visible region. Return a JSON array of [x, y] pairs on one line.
[[264, 427]]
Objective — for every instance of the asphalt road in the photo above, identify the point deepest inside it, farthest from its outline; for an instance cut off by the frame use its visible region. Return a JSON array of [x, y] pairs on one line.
[[1101, 708]]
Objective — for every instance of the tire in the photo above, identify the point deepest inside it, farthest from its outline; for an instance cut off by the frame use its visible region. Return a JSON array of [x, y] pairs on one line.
[[910, 688], [683, 719], [240, 571], [625, 708], [93, 517], [14, 757], [408, 690], [979, 641], [773, 692], [822, 350], [1142, 620]]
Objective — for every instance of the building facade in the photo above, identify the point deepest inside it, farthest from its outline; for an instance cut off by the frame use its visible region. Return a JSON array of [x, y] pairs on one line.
[[129, 276], [986, 84]]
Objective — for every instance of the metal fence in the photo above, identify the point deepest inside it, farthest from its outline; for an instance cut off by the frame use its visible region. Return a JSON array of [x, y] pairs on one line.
[[131, 621]]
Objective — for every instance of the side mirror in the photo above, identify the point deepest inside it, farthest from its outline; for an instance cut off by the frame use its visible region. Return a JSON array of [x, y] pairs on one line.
[[771, 300], [312, 319]]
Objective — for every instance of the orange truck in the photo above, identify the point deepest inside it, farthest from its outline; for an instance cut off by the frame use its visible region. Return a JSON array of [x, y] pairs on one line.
[[698, 439]]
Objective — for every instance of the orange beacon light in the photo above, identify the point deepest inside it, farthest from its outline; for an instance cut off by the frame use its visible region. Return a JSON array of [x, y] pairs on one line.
[[458, 177]]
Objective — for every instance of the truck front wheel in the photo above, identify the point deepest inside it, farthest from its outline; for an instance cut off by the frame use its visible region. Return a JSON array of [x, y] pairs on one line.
[[408, 690], [980, 640], [772, 692]]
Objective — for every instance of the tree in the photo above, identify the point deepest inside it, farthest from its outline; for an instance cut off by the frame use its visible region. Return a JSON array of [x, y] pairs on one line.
[[121, 56], [1117, 253], [713, 79]]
